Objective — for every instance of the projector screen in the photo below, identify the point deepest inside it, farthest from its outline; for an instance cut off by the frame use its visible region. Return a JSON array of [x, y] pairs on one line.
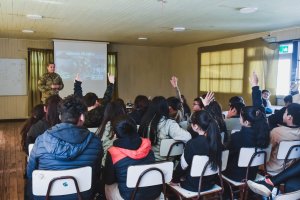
[[89, 59]]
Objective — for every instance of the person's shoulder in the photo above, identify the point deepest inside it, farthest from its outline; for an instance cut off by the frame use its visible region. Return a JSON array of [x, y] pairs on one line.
[[199, 140], [96, 139], [45, 75], [41, 125]]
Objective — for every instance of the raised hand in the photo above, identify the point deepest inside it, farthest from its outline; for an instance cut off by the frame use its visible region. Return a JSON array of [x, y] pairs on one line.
[[174, 81], [77, 78], [208, 98], [111, 78], [253, 79]]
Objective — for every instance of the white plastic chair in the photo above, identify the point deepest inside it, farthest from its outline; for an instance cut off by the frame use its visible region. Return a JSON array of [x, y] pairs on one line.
[[201, 168], [61, 182], [288, 196], [149, 175], [30, 146], [288, 150], [249, 157], [93, 130], [171, 147]]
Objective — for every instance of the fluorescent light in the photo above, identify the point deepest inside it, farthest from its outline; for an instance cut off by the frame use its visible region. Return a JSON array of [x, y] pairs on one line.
[[32, 16], [27, 31], [179, 29], [50, 2], [248, 10], [142, 38]]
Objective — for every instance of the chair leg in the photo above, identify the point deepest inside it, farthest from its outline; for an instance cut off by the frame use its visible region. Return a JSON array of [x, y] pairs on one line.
[[231, 192]]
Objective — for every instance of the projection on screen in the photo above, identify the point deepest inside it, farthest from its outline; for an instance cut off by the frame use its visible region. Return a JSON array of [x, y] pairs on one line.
[[89, 59]]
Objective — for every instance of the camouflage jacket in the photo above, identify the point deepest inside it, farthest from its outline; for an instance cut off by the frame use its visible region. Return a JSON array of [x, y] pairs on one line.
[[45, 82]]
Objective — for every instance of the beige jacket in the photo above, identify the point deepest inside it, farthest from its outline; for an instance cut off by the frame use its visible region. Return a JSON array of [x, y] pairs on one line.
[[279, 134]]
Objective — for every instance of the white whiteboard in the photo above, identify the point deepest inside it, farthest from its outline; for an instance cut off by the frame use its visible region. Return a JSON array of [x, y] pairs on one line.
[[13, 77]]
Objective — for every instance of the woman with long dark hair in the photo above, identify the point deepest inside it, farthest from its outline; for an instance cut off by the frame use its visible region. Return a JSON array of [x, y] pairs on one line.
[[112, 110], [141, 104], [254, 133], [156, 125], [37, 114], [51, 118], [208, 143], [215, 110]]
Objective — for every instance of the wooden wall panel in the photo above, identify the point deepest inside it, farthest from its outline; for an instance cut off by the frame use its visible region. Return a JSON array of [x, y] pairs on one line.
[[16, 107]]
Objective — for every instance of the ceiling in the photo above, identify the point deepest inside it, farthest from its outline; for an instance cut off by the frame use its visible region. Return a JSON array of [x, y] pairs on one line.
[[123, 21]]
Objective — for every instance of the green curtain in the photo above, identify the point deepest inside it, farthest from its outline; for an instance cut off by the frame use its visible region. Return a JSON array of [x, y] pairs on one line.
[[38, 62], [112, 69]]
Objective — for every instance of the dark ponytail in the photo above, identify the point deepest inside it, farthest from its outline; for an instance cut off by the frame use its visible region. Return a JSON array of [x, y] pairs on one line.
[[157, 110], [259, 124], [209, 125]]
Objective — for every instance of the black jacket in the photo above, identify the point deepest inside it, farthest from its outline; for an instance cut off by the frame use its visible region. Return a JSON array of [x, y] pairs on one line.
[[196, 146], [35, 130], [93, 118], [243, 138], [276, 118]]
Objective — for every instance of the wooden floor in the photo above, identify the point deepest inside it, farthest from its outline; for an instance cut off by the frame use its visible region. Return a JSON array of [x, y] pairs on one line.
[[12, 161]]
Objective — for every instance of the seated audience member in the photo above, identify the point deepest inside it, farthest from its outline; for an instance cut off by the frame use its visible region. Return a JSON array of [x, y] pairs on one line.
[[254, 133], [289, 132], [157, 125], [256, 93], [141, 104], [215, 110], [95, 111], [197, 104], [232, 119], [67, 145], [265, 94], [210, 142], [121, 103], [277, 118], [112, 111], [186, 108], [51, 119], [175, 109], [37, 114], [290, 177], [236, 99], [176, 106], [128, 149]]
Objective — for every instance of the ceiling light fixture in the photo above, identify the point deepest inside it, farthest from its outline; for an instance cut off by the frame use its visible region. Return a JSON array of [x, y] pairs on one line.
[[248, 10], [162, 1], [142, 38], [32, 16], [50, 2], [27, 31], [178, 29]]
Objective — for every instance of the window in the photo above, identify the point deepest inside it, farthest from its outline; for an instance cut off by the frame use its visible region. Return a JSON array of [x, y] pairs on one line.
[[284, 69], [222, 71]]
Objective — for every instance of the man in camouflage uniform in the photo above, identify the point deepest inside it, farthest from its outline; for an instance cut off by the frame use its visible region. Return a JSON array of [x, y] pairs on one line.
[[50, 83]]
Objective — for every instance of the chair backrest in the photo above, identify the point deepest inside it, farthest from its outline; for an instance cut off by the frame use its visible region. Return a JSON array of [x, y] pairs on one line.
[[289, 150], [199, 164], [253, 157], [93, 130], [61, 182], [288, 196], [222, 137], [30, 146], [149, 175], [171, 147]]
